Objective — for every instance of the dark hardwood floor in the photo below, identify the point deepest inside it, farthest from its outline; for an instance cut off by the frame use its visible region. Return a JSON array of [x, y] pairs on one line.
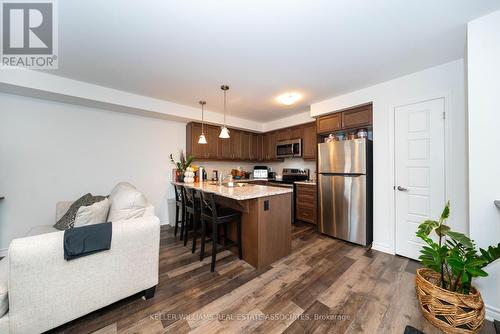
[[324, 286]]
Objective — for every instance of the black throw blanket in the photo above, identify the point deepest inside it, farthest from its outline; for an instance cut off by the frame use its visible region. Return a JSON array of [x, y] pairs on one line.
[[86, 240]]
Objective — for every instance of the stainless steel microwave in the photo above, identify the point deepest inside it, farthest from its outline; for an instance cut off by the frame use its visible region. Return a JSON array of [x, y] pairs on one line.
[[289, 148]]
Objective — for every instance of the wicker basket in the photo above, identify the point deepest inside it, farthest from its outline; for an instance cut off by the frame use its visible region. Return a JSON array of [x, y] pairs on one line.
[[449, 311]]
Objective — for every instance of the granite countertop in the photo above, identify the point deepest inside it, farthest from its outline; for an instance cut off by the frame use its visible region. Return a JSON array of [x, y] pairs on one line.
[[239, 193], [309, 183]]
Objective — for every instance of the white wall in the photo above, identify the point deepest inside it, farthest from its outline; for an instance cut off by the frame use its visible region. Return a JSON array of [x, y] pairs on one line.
[[303, 117], [447, 79], [484, 146], [41, 84], [52, 151]]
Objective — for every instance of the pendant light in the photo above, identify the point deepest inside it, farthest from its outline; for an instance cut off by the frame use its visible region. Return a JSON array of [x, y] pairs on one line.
[[202, 139], [224, 131]]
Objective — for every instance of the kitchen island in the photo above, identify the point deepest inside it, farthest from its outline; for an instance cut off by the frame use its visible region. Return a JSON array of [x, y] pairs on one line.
[[265, 222]]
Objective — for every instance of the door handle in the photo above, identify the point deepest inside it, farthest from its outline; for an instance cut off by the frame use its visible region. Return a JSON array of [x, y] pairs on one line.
[[402, 188]]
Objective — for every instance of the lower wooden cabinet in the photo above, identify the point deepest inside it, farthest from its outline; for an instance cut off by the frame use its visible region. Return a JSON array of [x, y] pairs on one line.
[[306, 203]]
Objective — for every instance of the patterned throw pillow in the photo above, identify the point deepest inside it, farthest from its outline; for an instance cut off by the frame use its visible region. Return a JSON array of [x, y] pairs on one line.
[[68, 220]]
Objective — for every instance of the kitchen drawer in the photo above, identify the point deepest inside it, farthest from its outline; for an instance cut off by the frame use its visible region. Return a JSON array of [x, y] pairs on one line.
[[306, 189], [306, 199], [307, 214]]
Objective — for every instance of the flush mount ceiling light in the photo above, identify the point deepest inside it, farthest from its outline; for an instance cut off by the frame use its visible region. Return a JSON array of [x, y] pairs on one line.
[[224, 131], [289, 98], [202, 139]]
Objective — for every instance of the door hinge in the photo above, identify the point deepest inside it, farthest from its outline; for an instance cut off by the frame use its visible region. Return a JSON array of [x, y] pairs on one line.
[[444, 115]]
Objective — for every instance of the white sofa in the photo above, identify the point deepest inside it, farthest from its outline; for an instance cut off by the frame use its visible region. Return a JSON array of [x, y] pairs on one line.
[[46, 291]]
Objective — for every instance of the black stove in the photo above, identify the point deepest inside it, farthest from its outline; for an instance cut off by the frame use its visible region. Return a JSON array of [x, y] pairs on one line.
[[291, 175]]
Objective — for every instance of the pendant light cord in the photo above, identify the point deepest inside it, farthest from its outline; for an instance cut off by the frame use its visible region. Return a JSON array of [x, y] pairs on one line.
[[224, 89], [202, 115], [224, 108]]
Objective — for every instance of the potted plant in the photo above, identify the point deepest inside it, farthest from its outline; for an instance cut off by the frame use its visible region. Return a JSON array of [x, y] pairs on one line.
[[181, 165], [444, 286]]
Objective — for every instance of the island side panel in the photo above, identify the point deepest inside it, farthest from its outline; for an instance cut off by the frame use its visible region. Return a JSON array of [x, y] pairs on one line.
[[249, 227], [275, 229], [266, 234]]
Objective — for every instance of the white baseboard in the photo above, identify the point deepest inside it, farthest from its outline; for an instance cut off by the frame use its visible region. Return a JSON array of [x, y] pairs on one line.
[[3, 252], [382, 248], [164, 222], [492, 313]]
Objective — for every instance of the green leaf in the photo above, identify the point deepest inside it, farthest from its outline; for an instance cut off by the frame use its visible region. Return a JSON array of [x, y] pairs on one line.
[[456, 264], [446, 212], [474, 261], [490, 255], [461, 238], [426, 227], [476, 272], [442, 230]]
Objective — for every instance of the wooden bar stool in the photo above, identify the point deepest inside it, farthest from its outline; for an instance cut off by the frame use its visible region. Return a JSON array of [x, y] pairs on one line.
[[193, 211], [215, 216], [179, 210]]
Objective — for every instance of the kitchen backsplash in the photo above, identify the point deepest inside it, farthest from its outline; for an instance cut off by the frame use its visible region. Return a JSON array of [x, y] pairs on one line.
[[226, 166]]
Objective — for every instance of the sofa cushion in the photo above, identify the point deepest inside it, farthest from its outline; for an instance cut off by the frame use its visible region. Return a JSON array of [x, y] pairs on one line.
[[92, 214], [126, 202], [4, 288], [4, 324], [68, 220], [41, 229]]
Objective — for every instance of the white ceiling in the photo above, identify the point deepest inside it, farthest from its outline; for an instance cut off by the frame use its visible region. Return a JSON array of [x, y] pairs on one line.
[[182, 51]]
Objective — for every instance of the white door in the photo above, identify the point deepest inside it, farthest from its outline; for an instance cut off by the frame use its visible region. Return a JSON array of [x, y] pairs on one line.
[[419, 170]]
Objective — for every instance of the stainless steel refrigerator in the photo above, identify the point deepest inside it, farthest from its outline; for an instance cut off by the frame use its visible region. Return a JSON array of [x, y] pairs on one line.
[[345, 187]]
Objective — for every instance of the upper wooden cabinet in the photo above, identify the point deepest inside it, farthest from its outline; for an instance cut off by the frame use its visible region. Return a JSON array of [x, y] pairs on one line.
[[256, 147], [236, 144], [247, 146], [193, 132], [212, 146], [329, 123], [226, 147], [361, 116], [269, 146], [349, 119], [246, 142], [297, 131], [309, 141], [283, 134]]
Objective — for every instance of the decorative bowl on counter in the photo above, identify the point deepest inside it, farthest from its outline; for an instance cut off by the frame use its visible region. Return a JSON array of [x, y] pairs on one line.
[[189, 175]]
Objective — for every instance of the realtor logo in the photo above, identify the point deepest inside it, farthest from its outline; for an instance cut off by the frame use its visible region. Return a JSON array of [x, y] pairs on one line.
[[29, 34]]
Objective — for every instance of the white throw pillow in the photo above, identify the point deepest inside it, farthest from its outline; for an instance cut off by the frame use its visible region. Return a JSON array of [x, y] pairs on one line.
[[92, 214], [4, 286], [126, 202]]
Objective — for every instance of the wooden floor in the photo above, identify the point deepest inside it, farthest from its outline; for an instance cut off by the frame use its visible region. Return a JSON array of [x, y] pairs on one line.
[[324, 286]]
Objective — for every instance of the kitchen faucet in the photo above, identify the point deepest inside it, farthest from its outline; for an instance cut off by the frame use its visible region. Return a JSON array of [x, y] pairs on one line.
[[222, 178]]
